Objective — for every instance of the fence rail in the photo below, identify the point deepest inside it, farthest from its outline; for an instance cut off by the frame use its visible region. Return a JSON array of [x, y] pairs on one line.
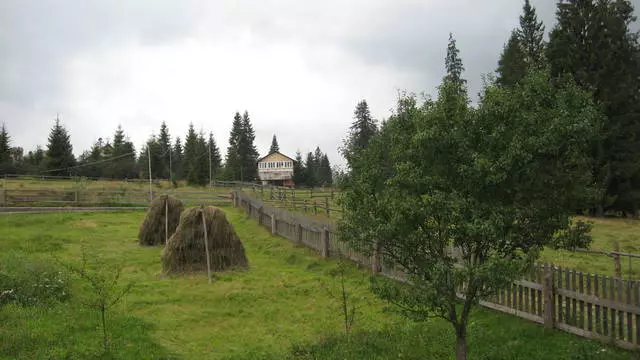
[[105, 198], [588, 305]]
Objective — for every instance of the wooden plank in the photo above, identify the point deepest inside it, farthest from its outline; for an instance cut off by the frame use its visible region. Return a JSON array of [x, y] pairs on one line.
[[511, 311], [621, 316], [526, 292], [540, 275], [567, 285], [590, 335], [589, 305], [558, 294], [574, 301], [581, 290], [508, 295], [596, 289], [629, 316], [605, 310], [636, 298], [612, 311]]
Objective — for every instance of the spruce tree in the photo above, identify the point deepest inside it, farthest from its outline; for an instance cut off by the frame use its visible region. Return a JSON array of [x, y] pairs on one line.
[[325, 171], [512, 66], [298, 170], [177, 157], [59, 151], [362, 129], [190, 165], [216, 159], [164, 142], [453, 91], [5, 150], [531, 34], [454, 67], [274, 145], [247, 150], [123, 152], [310, 170], [199, 173], [232, 161], [592, 42]]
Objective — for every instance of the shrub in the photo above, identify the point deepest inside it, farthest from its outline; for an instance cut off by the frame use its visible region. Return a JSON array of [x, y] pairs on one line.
[[31, 281]]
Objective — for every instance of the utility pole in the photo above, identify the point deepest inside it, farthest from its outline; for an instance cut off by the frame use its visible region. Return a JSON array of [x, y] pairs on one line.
[[150, 189]]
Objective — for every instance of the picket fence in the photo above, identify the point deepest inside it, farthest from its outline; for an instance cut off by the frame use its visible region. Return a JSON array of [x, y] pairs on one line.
[[589, 305]]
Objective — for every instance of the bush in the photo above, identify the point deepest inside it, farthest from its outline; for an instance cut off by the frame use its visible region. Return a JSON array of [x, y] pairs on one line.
[[31, 281]]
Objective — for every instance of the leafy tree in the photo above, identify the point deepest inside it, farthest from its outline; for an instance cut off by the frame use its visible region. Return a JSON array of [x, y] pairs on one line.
[[592, 42], [232, 161], [177, 158], [299, 170], [59, 156], [530, 36], [512, 66], [274, 145], [216, 158], [35, 160], [465, 204], [362, 129]]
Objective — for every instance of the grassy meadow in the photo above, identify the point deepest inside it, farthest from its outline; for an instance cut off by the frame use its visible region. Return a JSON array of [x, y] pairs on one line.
[[281, 308]]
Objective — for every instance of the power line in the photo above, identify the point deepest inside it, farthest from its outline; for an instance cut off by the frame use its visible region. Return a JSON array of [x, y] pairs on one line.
[[88, 164]]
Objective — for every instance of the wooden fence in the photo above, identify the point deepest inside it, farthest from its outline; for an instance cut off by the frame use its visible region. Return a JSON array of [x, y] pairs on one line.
[[593, 306], [99, 197]]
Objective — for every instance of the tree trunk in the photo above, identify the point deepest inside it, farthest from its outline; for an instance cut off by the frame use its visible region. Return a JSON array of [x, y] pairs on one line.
[[599, 209], [461, 346]]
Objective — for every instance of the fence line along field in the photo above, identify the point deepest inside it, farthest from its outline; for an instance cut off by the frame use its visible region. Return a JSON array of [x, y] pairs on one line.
[[277, 309], [583, 303]]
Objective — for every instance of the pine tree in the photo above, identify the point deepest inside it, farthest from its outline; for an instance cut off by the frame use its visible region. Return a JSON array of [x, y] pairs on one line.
[[190, 170], [454, 67], [299, 170], [232, 161], [151, 148], [5, 150], [177, 157], [325, 171], [531, 34], [123, 152], [274, 145], [362, 129], [216, 159], [592, 42], [310, 170], [164, 142], [199, 172], [59, 151], [511, 66], [247, 151]]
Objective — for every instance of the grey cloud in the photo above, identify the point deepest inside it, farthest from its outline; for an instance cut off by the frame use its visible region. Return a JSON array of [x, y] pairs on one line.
[[38, 37]]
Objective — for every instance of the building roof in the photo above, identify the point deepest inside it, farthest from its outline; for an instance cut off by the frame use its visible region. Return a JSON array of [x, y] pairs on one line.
[[276, 152]]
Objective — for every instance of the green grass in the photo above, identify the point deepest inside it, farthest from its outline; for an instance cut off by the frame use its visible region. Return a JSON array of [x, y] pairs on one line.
[[605, 231], [260, 313]]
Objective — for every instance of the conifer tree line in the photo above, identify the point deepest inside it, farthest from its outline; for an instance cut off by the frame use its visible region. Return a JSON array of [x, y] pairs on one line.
[[314, 170], [196, 157], [591, 44]]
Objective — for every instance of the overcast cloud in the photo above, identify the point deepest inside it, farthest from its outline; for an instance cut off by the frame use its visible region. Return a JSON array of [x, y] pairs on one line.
[[298, 67]]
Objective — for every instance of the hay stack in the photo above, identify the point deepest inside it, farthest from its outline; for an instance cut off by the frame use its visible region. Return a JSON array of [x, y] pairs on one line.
[[152, 229], [186, 250]]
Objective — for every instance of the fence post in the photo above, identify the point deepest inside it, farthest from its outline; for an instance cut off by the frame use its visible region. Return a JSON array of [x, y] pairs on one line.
[[315, 208], [326, 205], [616, 259], [331, 193], [299, 234], [375, 264], [75, 197], [274, 229], [324, 243], [549, 297]]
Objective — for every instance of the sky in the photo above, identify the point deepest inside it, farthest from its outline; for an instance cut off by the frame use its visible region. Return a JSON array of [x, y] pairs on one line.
[[298, 67]]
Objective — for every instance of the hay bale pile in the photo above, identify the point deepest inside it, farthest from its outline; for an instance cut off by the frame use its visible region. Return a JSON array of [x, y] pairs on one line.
[[152, 229], [185, 251]]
